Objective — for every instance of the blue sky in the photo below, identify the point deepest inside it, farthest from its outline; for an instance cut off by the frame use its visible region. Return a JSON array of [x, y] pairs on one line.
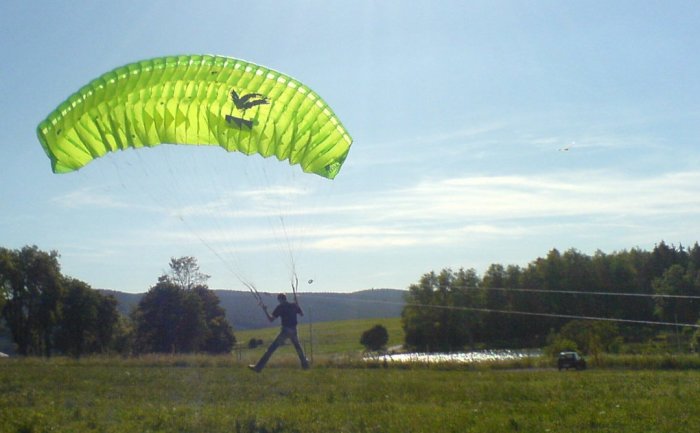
[[459, 112]]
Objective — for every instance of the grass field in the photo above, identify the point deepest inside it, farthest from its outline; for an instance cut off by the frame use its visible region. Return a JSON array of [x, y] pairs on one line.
[[194, 395], [210, 394], [342, 337]]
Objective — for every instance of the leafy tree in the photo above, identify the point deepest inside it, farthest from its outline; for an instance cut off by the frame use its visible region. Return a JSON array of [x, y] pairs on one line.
[[695, 339], [659, 260], [560, 284], [375, 338], [79, 318], [107, 326], [181, 314], [219, 337], [168, 319], [590, 337], [31, 280], [677, 281], [184, 272], [440, 311], [6, 264], [191, 327], [532, 330], [694, 258], [87, 320], [419, 318], [499, 328], [123, 336], [557, 343], [619, 273]]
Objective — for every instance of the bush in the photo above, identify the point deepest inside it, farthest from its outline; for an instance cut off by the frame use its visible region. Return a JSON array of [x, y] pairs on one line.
[[254, 342], [375, 338], [560, 344]]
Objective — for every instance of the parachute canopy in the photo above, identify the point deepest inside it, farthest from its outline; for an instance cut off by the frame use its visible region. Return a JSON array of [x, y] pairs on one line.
[[196, 100]]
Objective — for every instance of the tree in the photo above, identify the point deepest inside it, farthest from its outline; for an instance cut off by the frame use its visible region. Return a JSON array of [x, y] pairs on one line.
[[418, 318], [467, 297], [168, 320], [79, 318], [496, 326], [108, 320], [191, 327], [219, 337], [180, 314], [123, 335], [440, 311], [31, 280], [695, 339], [589, 336], [87, 321], [185, 273], [6, 263], [676, 281], [375, 338]]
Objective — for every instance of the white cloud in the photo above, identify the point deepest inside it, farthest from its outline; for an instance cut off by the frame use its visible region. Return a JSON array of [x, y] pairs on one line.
[[564, 194], [451, 211], [89, 198], [431, 213]]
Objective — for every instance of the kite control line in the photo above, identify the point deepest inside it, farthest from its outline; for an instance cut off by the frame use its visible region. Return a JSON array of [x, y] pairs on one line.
[[295, 286], [256, 295]]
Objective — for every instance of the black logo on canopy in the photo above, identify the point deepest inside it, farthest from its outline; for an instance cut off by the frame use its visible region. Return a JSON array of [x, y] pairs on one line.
[[244, 103]]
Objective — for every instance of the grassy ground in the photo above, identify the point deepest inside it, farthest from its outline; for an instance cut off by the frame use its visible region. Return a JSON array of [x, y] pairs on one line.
[[331, 337], [201, 394], [341, 393]]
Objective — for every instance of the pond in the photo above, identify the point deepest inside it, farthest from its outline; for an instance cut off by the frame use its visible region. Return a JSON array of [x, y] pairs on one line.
[[457, 357]]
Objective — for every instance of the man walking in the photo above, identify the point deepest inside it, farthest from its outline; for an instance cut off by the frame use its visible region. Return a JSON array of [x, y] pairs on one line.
[[288, 312]]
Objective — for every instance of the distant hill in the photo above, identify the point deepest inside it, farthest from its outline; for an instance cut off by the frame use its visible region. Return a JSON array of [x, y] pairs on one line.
[[243, 312]]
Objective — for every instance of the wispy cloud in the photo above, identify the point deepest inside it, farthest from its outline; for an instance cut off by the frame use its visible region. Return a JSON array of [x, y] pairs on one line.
[[89, 197], [451, 211], [564, 194], [412, 149]]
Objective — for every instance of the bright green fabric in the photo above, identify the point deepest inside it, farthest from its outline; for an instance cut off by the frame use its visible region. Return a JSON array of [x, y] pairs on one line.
[[199, 100]]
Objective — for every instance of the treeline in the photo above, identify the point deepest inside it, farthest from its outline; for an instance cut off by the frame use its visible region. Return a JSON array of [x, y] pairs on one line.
[[47, 312], [513, 306]]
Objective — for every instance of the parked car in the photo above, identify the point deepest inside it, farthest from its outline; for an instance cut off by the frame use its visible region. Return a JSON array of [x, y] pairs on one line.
[[569, 360]]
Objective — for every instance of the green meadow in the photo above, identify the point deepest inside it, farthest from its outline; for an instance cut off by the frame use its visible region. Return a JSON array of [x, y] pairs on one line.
[[330, 339], [340, 394]]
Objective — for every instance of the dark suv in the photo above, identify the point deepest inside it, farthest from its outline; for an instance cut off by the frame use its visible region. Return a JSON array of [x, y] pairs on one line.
[[569, 360]]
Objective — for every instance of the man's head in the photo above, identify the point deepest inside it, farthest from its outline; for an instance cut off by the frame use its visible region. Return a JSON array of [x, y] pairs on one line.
[[282, 297]]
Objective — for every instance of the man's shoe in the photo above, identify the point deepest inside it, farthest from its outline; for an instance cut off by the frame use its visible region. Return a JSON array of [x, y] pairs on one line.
[[254, 368]]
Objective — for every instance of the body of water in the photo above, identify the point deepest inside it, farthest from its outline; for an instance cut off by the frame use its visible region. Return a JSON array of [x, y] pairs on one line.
[[457, 357]]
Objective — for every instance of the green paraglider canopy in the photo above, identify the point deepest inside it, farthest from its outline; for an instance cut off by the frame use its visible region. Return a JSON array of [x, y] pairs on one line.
[[196, 100]]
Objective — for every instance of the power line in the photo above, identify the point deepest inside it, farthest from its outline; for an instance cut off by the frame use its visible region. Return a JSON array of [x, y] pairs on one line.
[[522, 313], [581, 292], [556, 315]]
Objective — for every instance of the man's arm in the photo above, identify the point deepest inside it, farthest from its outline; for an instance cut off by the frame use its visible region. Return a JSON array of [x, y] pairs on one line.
[[270, 317]]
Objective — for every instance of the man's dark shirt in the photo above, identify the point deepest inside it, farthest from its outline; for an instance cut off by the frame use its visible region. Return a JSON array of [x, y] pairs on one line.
[[288, 312]]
